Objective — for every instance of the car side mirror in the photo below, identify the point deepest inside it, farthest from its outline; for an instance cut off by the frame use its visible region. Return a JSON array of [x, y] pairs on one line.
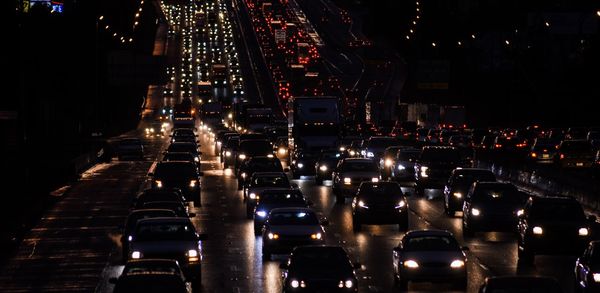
[[286, 169], [191, 215], [113, 280], [357, 265], [591, 218], [202, 236], [150, 174], [465, 248], [283, 266], [200, 173]]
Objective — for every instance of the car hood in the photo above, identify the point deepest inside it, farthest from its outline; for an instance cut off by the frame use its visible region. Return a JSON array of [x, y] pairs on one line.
[[295, 230], [353, 174], [433, 256], [268, 207]]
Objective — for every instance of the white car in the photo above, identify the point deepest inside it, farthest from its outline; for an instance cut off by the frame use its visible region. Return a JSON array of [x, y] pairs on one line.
[[286, 228], [430, 256]]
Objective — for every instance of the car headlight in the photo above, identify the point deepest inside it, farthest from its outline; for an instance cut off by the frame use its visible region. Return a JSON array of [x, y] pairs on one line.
[[192, 255], [352, 153], [193, 183], [596, 277], [136, 255], [300, 165], [370, 155], [323, 168], [388, 162], [362, 204], [537, 230], [411, 264], [295, 284], [520, 212], [475, 212], [228, 154], [261, 214], [273, 236], [242, 157], [457, 263], [158, 183], [253, 195], [218, 143], [347, 180], [424, 171], [457, 194], [583, 232], [316, 236], [342, 149], [401, 204], [196, 159], [363, 153], [374, 179], [281, 151], [349, 284], [244, 175], [401, 167]]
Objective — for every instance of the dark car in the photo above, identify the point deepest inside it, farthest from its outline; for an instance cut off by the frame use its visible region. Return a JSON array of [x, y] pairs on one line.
[[182, 175], [303, 162], [132, 220], [552, 225], [319, 269], [459, 184], [229, 151], [388, 160], [434, 166], [177, 207], [403, 170], [163, 194], [220, 137], [259, 182], [257, 164], [379, 203], [276, 198], [375, 146], [587, 269], [169, 238], [185, 147], [575, 154], [251, 148], [543, 150], [325, 164], [429, 256], [492, 206], [166, 276], [520, 284], [350, 173]]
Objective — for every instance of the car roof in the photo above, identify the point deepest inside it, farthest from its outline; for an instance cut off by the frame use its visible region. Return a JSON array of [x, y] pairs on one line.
[[165, 220], [143, 211], [426, 232], [175, 163], [152, 261]]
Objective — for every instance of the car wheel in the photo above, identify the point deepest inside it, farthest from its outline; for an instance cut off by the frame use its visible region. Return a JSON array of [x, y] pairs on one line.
[[356, 225]]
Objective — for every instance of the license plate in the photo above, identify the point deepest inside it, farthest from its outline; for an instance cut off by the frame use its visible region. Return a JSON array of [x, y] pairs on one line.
[[545, 156], [579, 164]]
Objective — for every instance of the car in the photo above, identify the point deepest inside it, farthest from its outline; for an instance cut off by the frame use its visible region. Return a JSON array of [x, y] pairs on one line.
[[487, 142], [387, 161], [587, 269], [280, 146], [325, 164], [458, 185], [510, 145], [259, 182], [276, 198], [519, 284], [429, 256], [185, 147], [229, 151], [379, 203], [220, 137], [130, 148], [248, 148], [403, 170], [302, 162], [154, 282], [177, 207], [593, 137], [492, 206], [375, 146], [461, 141], [543, 150], [350, 173], [552, 225], [182, 175], [286, 228], [155, 129], [434, 166], [319, 268], [131, 221], [163, 194], [183, 134], [257, 164], [575, 154], [170, 238]]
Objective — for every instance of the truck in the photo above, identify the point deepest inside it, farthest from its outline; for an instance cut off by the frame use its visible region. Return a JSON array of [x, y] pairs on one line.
[[211, 113], [257, 118], [205, 91], [453, 117], [184, 114], [313, 123], [219, 75]]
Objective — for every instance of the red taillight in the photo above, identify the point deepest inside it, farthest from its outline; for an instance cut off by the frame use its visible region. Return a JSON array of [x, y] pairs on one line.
[[562, 156], [498, 145]]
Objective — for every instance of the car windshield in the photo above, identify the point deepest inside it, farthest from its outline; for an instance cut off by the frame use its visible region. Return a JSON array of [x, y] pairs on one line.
[[359, 167], [378, 190], [576, 146], [281, 197], [174, 170], [182, 148], [497, 194], [296, 218], [165, 232], [440, 155], [270, 181], [265, 164], [255, 146], [467, 178], [315, 259], [409, 155], [553, 210], [430, 243]]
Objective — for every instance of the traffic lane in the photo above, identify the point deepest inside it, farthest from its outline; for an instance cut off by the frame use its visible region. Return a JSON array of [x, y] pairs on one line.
[[497, 252], [70, 246], [372, 247]]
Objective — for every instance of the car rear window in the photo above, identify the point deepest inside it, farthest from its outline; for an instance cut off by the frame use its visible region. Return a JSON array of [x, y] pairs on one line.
[[430, 243]]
